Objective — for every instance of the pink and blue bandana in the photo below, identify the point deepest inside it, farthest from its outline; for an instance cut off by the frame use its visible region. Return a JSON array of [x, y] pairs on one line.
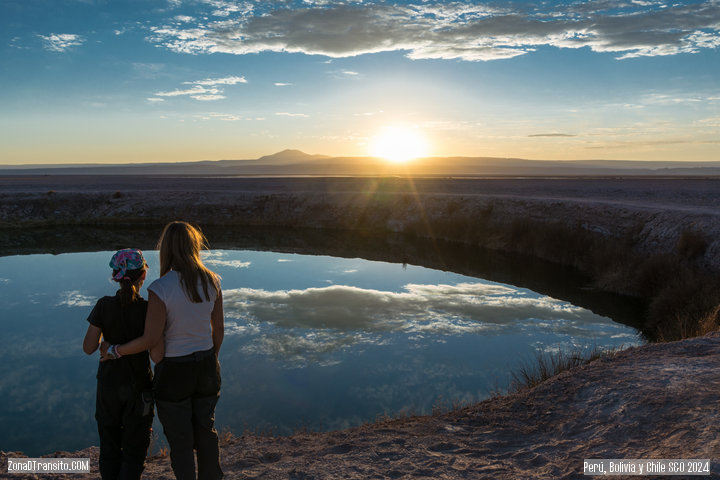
[[127, 259]]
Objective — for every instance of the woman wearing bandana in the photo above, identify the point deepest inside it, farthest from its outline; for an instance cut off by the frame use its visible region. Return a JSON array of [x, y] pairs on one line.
[[124, 418]]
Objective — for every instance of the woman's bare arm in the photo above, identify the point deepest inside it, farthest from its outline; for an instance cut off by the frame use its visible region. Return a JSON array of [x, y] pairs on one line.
[[157, 352], [92, 339]]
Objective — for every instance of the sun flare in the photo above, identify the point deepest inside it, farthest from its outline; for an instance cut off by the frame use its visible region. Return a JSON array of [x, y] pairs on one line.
[[399, 145]]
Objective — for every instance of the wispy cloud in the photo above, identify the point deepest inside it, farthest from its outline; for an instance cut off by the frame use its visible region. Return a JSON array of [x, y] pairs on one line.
[[219, 81], [223, 8], [228, 263], [551, 135], [281, 84], [288, 114], [207, 98], [710, 122], [455, 30], [61, 42], [75, 299], [204, 90], [226, 117], [196, 90]]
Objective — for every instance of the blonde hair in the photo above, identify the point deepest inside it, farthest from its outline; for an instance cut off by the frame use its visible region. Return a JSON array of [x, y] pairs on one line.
[[180, 244]]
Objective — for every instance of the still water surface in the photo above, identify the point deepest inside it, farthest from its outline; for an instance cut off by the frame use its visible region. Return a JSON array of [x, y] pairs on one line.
[[312, 342]]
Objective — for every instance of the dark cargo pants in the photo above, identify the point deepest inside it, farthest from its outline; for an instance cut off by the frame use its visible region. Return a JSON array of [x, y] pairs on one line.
[[124, 431], [186, 391]]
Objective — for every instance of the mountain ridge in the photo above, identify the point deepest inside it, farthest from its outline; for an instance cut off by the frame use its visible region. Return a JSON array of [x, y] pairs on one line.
[[296, 162]]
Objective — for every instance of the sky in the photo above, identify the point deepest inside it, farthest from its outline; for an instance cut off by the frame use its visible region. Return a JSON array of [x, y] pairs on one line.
[[115, 81]]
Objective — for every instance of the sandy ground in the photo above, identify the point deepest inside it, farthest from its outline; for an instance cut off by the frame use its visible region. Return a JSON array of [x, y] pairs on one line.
[[653, 401], [666, 193]]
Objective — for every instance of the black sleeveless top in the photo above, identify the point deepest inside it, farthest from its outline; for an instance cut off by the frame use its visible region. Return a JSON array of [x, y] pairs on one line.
[[120, 325]]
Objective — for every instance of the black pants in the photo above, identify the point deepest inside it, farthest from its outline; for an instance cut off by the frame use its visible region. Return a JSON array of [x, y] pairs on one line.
[[124, 431], [186, 392]]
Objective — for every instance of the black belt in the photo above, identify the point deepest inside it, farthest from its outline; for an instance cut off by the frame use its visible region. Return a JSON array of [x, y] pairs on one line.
[[192, 357]]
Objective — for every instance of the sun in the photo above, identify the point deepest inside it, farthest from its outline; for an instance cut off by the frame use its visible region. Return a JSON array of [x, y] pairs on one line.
[[399, 145]]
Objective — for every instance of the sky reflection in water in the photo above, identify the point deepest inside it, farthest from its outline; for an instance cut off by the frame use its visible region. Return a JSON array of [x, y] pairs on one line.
[[311, 341]]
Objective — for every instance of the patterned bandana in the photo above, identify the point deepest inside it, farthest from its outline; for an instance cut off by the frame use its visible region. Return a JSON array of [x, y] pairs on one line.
[[127, 259]]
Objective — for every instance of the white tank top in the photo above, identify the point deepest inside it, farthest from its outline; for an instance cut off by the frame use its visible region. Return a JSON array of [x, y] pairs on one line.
[[187, 324]]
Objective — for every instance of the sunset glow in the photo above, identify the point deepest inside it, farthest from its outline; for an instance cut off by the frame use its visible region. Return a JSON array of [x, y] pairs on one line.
[[231, 79], [399, 145]]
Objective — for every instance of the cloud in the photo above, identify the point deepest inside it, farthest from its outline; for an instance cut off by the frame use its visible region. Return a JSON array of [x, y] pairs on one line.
[[280, 84], [551, 135], [224, 8], [76, 299], [299, 350], [61, 42], [196, 90], [288, 114], [458, 308], [228, 263], [710, 122], [302, 326], [226, 117], [450, 31], [204, 90], [207, 98], [219, 81]]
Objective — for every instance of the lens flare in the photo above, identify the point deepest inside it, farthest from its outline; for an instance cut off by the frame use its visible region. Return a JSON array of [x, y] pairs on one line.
[[399, 145]]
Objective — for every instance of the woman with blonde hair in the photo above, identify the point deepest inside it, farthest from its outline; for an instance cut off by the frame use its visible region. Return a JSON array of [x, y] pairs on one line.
[[185, 309]]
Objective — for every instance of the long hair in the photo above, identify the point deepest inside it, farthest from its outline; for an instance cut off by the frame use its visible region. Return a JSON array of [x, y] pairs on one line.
[[129, 293], [180, 244]]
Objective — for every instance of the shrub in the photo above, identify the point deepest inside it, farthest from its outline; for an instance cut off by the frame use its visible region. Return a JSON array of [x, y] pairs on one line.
[[547, 365], [691, 244]]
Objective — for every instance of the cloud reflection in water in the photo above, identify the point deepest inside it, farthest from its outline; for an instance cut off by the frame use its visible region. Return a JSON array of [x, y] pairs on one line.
[[293, 323]]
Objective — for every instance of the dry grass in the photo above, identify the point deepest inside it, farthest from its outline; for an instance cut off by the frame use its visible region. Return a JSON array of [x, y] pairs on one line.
[[547, 365]]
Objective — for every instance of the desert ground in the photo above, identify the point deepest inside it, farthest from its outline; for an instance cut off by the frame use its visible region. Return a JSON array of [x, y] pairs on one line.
[[653, 401], [654, 210]]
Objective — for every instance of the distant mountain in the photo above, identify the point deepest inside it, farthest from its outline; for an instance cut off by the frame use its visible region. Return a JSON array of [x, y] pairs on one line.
[[289, 156], [296, 162]]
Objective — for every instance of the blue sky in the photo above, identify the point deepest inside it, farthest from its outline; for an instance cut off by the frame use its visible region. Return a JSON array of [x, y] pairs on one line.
[[182, 80]]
